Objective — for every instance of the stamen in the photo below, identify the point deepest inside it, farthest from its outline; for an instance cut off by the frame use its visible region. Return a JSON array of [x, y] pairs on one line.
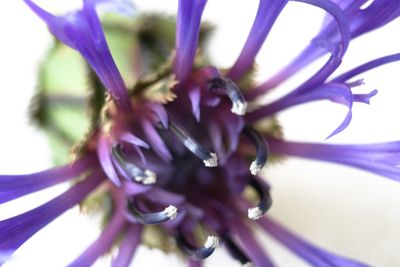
[[236, 252], [264, 204], [262, 150], [211, 242], [211, 162], [210, 159], [199, 253], [139, 175], [255, 213], [169, 213], [239, 104]]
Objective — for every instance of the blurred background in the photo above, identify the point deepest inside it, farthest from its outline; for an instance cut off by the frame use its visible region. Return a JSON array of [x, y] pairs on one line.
[[345, 210]]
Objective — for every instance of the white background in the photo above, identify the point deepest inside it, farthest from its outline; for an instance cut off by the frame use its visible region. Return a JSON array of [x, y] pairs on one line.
[[348, 211]]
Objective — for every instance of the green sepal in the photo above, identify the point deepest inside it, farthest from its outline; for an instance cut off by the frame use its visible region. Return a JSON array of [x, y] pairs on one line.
[[60, 107]]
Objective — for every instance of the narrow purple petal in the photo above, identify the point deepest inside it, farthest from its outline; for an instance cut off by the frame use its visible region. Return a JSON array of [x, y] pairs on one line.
[[160, 112], [215, 133], [360, 21], [305, 57], [135, 142], [128, 246], [194, 97], [381, 158], [338, 93], [165, 198], [156, 143], [17, 230], [122, 7], [377, 14], [250, 246], [312, 254], [82, 31], [15, 186], [187, 35], [103, 243], [337, 50], [364, 98], [130, 138], [104, 154], [194, 263], [366, 67], [267, 13], [132, 188], [320, 45], [233, 126]]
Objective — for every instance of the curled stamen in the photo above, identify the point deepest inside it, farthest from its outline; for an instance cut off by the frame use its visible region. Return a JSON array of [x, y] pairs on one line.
[[210, 159], [236, 252], [261, 147], [239, 104], [199, 253], [136, 173], [263, 205], [169, 213]]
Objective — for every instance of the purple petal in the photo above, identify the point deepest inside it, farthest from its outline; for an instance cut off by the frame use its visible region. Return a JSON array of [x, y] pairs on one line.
[[17, 230], [128, 246], [104, 154], [187, 35], [233, 126], [380, 158], [136, 144], [364, 98], [15, 186], [156, 143], [194, 97], [215, 134], [103, 243], [160, 112], [336, 49], [313, 255], [338, 93], [267, 13], [133, 189], [130, 138], [194, 263], [360, 21], [82, 31], [165, 198], [250, 246], [377, 14], [123, 7], [366, 67], [303, 59]]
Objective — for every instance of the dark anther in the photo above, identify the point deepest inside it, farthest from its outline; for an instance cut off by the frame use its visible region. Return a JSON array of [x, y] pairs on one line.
[[262, 150], [209, 158], [239, 104], [198, 253], [235, 251], [167, 214], [136, 173], [265, 202]]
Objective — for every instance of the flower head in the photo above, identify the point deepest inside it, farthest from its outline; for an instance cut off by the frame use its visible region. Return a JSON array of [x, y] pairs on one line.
[[181, 149]]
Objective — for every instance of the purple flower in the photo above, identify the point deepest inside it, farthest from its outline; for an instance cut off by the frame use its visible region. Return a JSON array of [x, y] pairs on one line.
[[183, 163]]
